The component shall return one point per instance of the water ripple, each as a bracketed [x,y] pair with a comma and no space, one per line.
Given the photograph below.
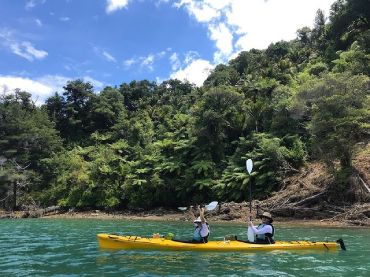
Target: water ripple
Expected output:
[64,247]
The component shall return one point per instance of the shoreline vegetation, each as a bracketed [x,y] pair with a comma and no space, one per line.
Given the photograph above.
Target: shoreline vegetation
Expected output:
[226,212]
[307,199]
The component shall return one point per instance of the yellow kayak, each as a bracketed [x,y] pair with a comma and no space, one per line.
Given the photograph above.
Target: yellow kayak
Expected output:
[134,242]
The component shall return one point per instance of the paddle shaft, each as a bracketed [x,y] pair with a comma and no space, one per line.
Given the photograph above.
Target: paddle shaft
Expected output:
[249,167]
[250,199]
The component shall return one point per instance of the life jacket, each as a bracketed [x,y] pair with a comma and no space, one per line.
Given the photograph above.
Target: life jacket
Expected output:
[198,237]
[267,237]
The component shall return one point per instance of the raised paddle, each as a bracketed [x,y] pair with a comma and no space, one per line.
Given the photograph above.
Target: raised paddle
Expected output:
[210,207]
[249,166]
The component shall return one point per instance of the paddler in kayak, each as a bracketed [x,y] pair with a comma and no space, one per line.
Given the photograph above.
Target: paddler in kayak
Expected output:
[201,227]
[264,232]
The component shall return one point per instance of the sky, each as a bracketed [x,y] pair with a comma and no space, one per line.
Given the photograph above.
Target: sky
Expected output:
[45,43]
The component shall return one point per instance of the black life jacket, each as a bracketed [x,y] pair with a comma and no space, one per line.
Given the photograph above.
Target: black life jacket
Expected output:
[267,237]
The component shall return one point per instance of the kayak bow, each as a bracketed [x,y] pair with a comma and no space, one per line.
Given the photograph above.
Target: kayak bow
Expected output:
[134,242]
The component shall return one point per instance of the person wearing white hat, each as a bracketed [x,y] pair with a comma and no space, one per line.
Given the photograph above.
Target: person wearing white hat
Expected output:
[264,232]
[201,226]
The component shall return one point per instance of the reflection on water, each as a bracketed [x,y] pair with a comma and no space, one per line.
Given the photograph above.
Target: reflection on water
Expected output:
[45,247]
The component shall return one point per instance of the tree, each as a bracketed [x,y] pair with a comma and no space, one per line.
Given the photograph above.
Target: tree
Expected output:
[56,109]
[304,35]
[78,99]
[135,91]
[106,109]
[319,31]
[27,136]
[349,21]
[222,75]
[218,120]
[355,60]
[340,116]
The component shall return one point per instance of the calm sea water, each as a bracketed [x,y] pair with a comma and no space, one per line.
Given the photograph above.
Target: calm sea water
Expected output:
[68,247]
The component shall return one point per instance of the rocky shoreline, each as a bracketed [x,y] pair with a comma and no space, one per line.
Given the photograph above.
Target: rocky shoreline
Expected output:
[226,212]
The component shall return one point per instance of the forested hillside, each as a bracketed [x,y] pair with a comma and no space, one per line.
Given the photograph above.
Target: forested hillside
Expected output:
[144,145]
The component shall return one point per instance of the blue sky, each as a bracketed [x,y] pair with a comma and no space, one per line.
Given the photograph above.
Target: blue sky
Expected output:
[44,43]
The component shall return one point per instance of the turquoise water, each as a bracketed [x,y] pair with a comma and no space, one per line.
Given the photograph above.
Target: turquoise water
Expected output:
[68,247]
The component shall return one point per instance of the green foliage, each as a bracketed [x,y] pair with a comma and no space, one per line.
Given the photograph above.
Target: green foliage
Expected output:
[218,120]
[143,144]
[340,116]
[355,60]
[222,75]
[349,21]
[273,158]
[26,136]
[88,177]
[317,68]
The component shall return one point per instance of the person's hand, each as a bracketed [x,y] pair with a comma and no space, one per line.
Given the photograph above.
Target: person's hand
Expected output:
[191,210]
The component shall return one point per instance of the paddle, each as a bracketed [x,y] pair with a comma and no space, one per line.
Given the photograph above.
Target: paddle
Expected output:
[210,207]
[249,166]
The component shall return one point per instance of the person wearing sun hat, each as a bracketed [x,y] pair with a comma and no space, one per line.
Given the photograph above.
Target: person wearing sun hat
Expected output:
[264,232]
[201,226]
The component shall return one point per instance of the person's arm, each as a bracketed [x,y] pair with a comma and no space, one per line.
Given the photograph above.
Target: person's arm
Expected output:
[191,213]
[201,214]
[265,229]
[249,220]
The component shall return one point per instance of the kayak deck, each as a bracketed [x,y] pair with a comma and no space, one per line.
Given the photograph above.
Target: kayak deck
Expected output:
[134,242]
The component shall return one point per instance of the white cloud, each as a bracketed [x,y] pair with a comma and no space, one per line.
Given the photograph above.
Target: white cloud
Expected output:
[105,54]
[192,68]
[24,49]
[113,5]
[40,91]
[147,62]
[42,87]
[196,72]
[223,37]
[128,63]
[161,54]
[53,82]
[97,84]
[259,23]
[236,25]
[33,3]
[64,18]
[159,2]
[175,62]
[38,22]
[109,57]
[190,56]
[202,11]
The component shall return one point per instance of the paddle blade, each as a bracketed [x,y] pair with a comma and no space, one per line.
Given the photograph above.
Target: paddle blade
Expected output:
[211,206]
[249,165]
[182,208]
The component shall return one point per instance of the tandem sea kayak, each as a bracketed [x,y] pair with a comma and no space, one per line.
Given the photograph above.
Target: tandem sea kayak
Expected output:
[110,241]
